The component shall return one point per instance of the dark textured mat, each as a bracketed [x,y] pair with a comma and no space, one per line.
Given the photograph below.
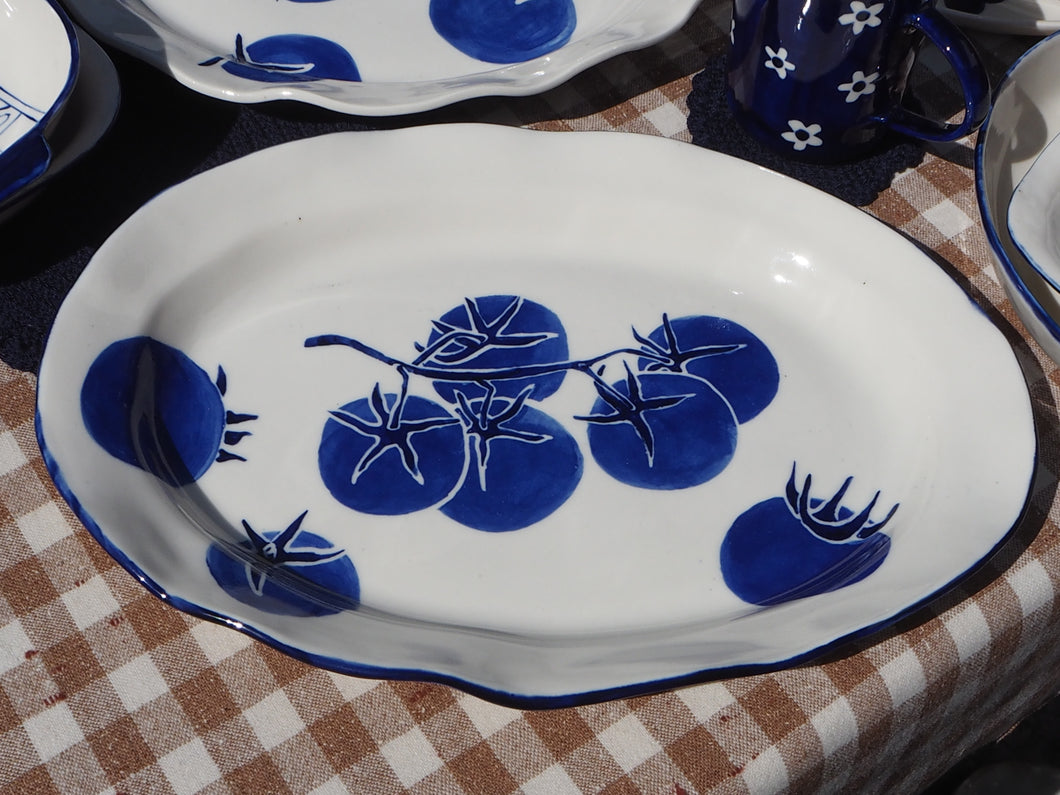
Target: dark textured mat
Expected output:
[858,182]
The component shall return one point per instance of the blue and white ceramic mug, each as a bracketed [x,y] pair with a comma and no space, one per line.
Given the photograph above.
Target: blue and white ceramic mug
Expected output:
[823,80]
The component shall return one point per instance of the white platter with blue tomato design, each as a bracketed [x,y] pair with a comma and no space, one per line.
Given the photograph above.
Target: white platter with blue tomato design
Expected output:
[381,58]
[552,417]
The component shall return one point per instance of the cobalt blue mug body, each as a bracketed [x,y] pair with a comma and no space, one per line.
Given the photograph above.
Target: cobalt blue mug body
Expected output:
[823,80]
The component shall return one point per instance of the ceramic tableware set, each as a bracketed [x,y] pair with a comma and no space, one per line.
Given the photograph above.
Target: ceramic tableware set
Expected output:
[411,455]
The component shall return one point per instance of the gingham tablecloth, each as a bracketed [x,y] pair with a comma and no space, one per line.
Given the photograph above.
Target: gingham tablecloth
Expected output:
[104,688]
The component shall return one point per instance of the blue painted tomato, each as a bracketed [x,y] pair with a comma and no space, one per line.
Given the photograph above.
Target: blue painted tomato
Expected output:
[747,377]
[287,58]
[525,465]
[791,547]
[310,579]
[661,430]
[504,31]
[149,405]
[496,334]
[391,455]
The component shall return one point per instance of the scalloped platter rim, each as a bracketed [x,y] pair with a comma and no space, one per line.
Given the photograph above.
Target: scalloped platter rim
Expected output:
[395,59]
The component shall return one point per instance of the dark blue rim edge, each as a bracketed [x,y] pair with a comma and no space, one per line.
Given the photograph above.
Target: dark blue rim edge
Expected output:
[993,238]
[502,697]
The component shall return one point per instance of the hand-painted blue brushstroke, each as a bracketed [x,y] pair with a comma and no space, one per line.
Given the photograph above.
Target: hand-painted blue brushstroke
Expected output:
[795,546]
[663,426]
[496,333]
[14,111]
[287,58]
[504,31]
[748,378]
[148,404]
[290,569]
[661,430]
[524,465]
[391,455]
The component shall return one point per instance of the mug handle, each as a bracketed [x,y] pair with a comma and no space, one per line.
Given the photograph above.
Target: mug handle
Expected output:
[975,84]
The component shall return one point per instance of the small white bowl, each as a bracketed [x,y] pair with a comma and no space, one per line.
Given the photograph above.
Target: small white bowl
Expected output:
[38,67]
[1024,119]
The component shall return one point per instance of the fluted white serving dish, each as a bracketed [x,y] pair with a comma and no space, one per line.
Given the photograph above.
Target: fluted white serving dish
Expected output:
[552,417]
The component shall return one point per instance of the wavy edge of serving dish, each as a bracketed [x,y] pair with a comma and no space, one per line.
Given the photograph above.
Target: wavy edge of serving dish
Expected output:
[979,415]
[999,171]
[28,156]
[133,27]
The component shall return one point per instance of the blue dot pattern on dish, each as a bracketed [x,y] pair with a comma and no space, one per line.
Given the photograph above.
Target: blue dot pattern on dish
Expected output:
[504,31]
[149,405]
[794,546]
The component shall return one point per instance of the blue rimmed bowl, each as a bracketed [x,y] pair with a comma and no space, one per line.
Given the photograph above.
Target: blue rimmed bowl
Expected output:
[38,66]
[1024,119]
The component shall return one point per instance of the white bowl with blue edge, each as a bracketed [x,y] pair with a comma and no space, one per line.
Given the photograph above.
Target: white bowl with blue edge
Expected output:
[1023,121]
[38,67]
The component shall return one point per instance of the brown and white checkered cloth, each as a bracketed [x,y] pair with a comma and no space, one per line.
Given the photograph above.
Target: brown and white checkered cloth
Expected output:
[106,689]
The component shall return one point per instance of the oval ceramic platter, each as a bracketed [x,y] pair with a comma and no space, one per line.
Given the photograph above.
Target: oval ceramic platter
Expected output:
[551,417]
[384,58]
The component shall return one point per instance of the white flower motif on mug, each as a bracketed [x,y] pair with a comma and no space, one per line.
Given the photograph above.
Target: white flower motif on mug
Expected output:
[862,16]
[860,84]
[802,135]
[778,61]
